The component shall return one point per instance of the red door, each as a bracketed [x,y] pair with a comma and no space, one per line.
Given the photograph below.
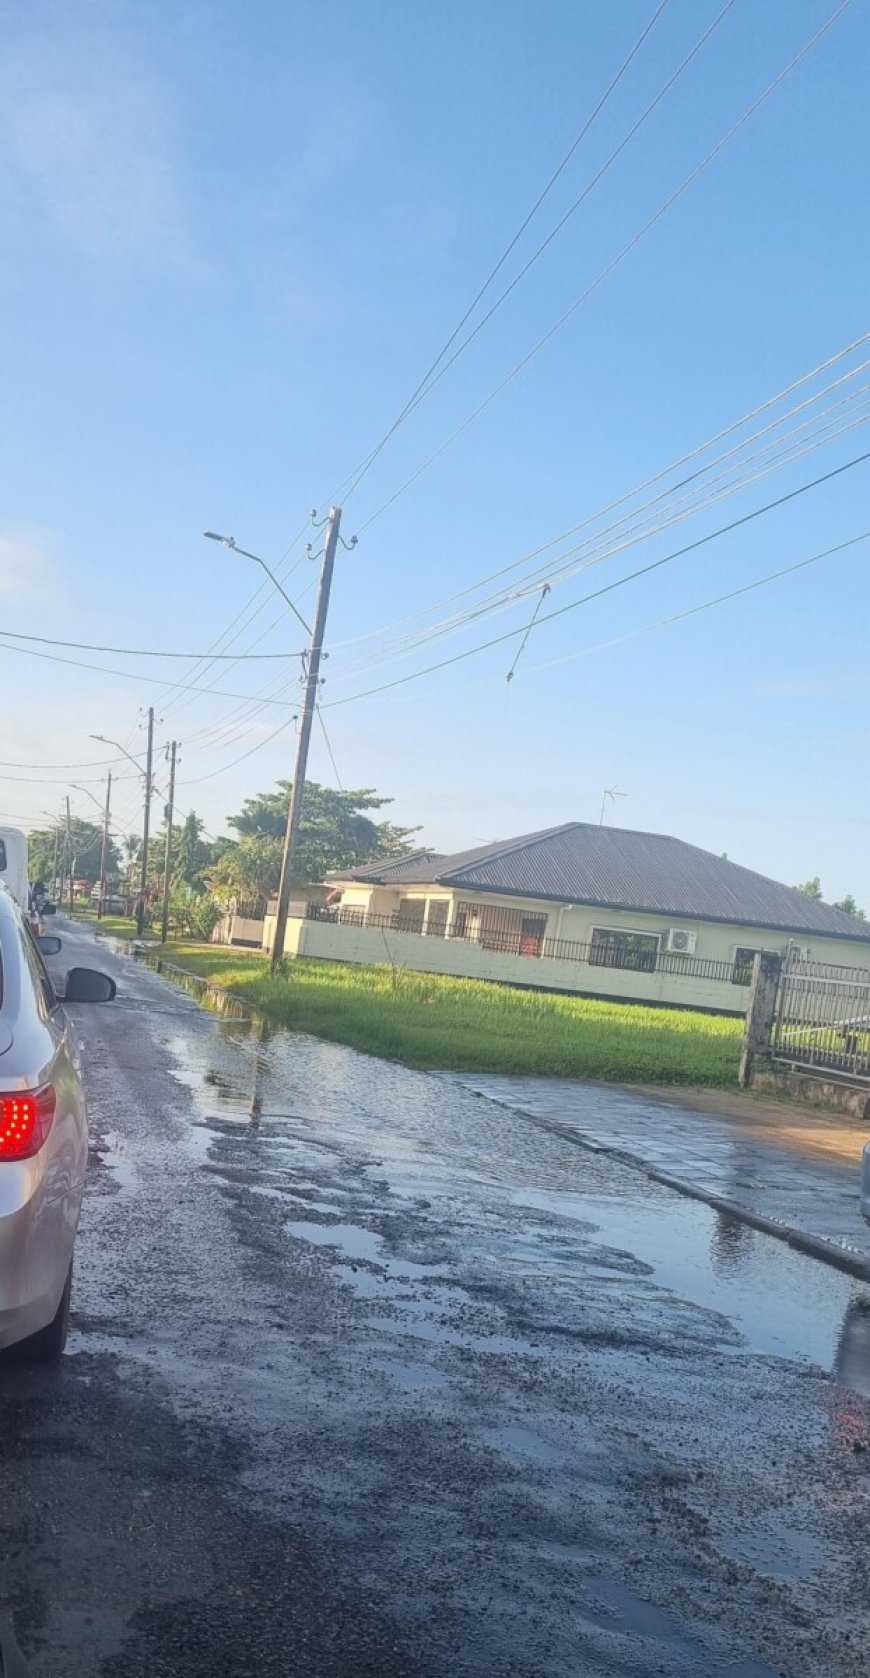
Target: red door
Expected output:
[532,934]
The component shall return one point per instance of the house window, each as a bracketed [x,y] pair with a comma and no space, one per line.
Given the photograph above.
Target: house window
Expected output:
[741,972]
[610,948]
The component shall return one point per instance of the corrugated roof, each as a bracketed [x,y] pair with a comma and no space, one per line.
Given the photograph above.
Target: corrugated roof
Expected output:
[616,868]
[393,870]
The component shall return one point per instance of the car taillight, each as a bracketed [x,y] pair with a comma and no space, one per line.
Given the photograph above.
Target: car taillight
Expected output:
[25,1121]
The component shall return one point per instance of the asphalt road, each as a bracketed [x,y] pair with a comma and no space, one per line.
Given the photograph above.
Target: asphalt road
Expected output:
[371,1376]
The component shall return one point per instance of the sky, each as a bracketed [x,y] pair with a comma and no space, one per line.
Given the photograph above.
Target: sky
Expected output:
[236,237]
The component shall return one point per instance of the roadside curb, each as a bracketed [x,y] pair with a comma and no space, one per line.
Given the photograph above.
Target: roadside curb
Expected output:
[815,1246]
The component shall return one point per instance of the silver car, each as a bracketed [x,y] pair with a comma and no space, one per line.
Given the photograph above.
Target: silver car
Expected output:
[43,1136]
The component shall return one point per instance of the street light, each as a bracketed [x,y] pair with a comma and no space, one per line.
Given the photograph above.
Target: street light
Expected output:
[230,542]
[104,739]
[146,819]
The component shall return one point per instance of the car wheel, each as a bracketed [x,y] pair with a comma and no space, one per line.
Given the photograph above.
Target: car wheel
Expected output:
[47,1345]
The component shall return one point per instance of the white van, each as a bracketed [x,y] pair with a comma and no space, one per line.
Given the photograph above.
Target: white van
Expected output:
[13,865]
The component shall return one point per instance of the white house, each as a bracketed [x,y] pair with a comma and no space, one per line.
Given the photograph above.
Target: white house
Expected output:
[595,910]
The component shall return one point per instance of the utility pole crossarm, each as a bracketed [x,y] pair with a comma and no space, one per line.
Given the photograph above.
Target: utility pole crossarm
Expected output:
[297,792]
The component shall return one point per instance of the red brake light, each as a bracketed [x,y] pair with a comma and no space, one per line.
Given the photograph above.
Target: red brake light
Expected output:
[25,1121]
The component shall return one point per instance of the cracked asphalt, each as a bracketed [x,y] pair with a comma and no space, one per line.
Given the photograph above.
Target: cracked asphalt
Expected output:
[372,1376]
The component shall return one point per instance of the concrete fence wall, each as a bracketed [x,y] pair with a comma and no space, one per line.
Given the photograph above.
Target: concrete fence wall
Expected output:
[465,959]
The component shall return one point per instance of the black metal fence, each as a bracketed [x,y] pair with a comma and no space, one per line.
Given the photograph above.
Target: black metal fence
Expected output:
[517,942]
[823,1017]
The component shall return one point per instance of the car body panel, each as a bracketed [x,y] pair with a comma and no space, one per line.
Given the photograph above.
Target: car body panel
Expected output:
[14,865]
[865,1184]
[40,1198]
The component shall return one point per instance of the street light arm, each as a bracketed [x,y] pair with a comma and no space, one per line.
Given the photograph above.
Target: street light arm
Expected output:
[230,542]
[105,741]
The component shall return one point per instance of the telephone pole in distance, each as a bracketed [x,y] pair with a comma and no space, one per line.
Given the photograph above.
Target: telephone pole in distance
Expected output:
[104,850]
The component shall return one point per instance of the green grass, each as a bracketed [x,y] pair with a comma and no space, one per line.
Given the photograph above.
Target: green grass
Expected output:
[117,926]
[464,1025]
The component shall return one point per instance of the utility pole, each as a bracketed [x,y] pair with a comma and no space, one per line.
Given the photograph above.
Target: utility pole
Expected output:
[69,855]
[146,825]
[104,849]
[54,879]
[297,792]
[167,862]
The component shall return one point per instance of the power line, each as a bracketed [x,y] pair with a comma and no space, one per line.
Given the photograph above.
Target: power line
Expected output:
[613,264]
[226,767]
[639,489]
[705,606]
[106,670]
[434,378]
[356,476]
[330,750]
[136,652]
[594,553]
[607,588]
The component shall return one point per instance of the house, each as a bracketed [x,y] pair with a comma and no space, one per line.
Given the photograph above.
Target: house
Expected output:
[594,910]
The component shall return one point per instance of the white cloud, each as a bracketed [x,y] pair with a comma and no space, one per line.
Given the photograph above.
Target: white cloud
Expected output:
[88,137]
[26,569]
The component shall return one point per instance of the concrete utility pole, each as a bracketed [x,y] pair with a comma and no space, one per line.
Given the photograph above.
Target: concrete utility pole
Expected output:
[104,848]
[69,855]
[146,828]
[167,861]
[54,879]
[297,792]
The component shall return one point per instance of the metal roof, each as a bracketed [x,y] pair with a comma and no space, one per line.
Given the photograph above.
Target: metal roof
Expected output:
[615,868]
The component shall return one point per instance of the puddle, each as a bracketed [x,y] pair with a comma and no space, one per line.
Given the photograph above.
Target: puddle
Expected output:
[521,1441]
[785,1553]
[783,1302]
[350,1239]
[111,1152]
[412,1377]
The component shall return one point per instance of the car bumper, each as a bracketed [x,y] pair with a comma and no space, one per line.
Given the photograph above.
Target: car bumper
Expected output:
[35,1249]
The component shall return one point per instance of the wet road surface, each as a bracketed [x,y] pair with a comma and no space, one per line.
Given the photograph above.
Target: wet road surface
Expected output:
[797,1169]
[371,1376]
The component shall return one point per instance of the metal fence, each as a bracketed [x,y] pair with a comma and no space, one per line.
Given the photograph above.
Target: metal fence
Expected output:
[517,942]
[822,1017]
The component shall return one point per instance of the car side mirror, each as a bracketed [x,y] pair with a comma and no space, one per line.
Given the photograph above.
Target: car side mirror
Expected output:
[86,984]
[49,946]
[49,908]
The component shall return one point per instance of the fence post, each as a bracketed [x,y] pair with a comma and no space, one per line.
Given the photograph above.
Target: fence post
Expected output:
[766,970]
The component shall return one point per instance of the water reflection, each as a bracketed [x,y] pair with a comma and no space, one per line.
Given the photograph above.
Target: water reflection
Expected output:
[852,1360]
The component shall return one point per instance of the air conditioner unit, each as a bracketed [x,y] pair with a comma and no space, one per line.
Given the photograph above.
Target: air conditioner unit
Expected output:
[679,942]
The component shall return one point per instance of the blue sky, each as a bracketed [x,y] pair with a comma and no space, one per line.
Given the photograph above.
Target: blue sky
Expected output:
[235,237]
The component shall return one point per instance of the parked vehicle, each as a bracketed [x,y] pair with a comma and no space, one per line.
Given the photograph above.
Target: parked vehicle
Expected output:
[43,1135]
[13,864]
[865,1184]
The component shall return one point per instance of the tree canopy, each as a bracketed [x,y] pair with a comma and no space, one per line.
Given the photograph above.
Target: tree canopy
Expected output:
[336,831]
[85,846]
[813,889]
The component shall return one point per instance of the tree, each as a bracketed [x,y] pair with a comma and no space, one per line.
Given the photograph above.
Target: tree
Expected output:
[850,907]
[335,832]
[82,851]
[192,853]
[812,889]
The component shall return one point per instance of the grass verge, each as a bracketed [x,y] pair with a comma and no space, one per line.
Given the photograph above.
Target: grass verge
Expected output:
[464,1025]
[117,926]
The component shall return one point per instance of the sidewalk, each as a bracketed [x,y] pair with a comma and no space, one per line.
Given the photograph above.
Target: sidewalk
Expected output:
[785,1168]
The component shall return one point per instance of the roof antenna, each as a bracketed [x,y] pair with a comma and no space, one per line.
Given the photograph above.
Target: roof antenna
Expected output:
[612,793]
